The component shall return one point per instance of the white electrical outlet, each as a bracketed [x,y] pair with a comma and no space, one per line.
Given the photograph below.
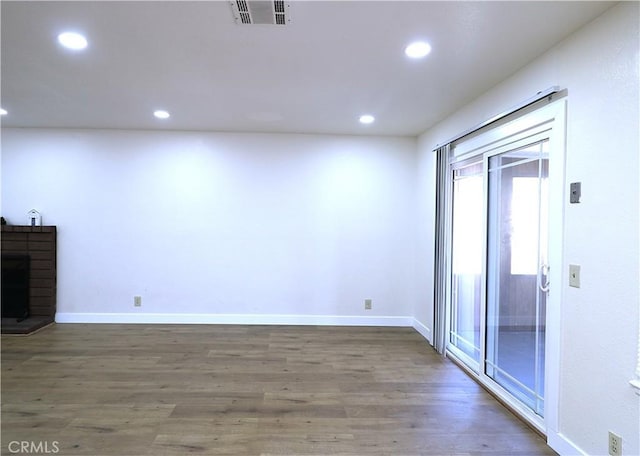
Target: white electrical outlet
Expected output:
[367,304]
[137,301]
[615,444]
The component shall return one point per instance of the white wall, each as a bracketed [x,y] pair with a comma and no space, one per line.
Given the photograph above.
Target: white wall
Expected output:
[598,65]
[214,223]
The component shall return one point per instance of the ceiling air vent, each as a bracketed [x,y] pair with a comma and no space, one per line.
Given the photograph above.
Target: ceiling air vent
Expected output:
[250,12]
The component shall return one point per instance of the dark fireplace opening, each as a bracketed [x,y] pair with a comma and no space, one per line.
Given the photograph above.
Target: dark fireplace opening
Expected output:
[15,286]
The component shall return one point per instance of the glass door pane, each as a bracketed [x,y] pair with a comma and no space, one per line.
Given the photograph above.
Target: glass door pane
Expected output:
[516,255]
[466,267]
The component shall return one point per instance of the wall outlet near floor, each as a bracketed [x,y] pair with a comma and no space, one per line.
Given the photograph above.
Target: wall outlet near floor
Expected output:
[615,444]
[367,304]
[137,301]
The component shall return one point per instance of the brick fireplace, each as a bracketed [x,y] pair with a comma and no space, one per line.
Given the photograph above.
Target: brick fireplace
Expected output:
[37,246]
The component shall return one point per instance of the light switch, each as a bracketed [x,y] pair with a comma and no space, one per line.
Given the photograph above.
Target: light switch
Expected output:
[574,275]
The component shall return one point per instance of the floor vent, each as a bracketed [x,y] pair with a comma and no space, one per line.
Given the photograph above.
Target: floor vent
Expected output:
[261,12]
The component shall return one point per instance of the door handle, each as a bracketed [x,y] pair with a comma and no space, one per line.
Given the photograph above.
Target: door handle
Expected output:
[544,275]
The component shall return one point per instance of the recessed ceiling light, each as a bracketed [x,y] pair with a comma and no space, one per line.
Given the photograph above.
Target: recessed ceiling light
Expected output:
[367,119]
[160,114]
[3,112]
[72,40]
[417,49]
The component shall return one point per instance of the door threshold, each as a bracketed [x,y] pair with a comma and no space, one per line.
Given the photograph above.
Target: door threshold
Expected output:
[474,376]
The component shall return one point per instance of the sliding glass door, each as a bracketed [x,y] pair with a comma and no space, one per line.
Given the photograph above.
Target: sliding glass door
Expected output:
[498,278]
[517,264]
[499,266]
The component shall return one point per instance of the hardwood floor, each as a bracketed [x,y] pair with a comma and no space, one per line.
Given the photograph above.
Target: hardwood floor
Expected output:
[246,390]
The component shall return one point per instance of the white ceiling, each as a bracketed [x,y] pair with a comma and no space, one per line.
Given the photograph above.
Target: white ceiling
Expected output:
[335,61]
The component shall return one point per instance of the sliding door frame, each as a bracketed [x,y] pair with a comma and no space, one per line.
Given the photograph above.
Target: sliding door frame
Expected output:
[545,120]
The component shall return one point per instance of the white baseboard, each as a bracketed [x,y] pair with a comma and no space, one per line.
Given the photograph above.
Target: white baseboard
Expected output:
[563,446]
[423,330]
[233,319]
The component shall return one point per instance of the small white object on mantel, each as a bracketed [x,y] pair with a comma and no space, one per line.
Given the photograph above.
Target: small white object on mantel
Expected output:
[35,219]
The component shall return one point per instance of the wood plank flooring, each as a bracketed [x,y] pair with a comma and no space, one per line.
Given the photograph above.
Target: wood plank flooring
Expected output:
[246,390]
